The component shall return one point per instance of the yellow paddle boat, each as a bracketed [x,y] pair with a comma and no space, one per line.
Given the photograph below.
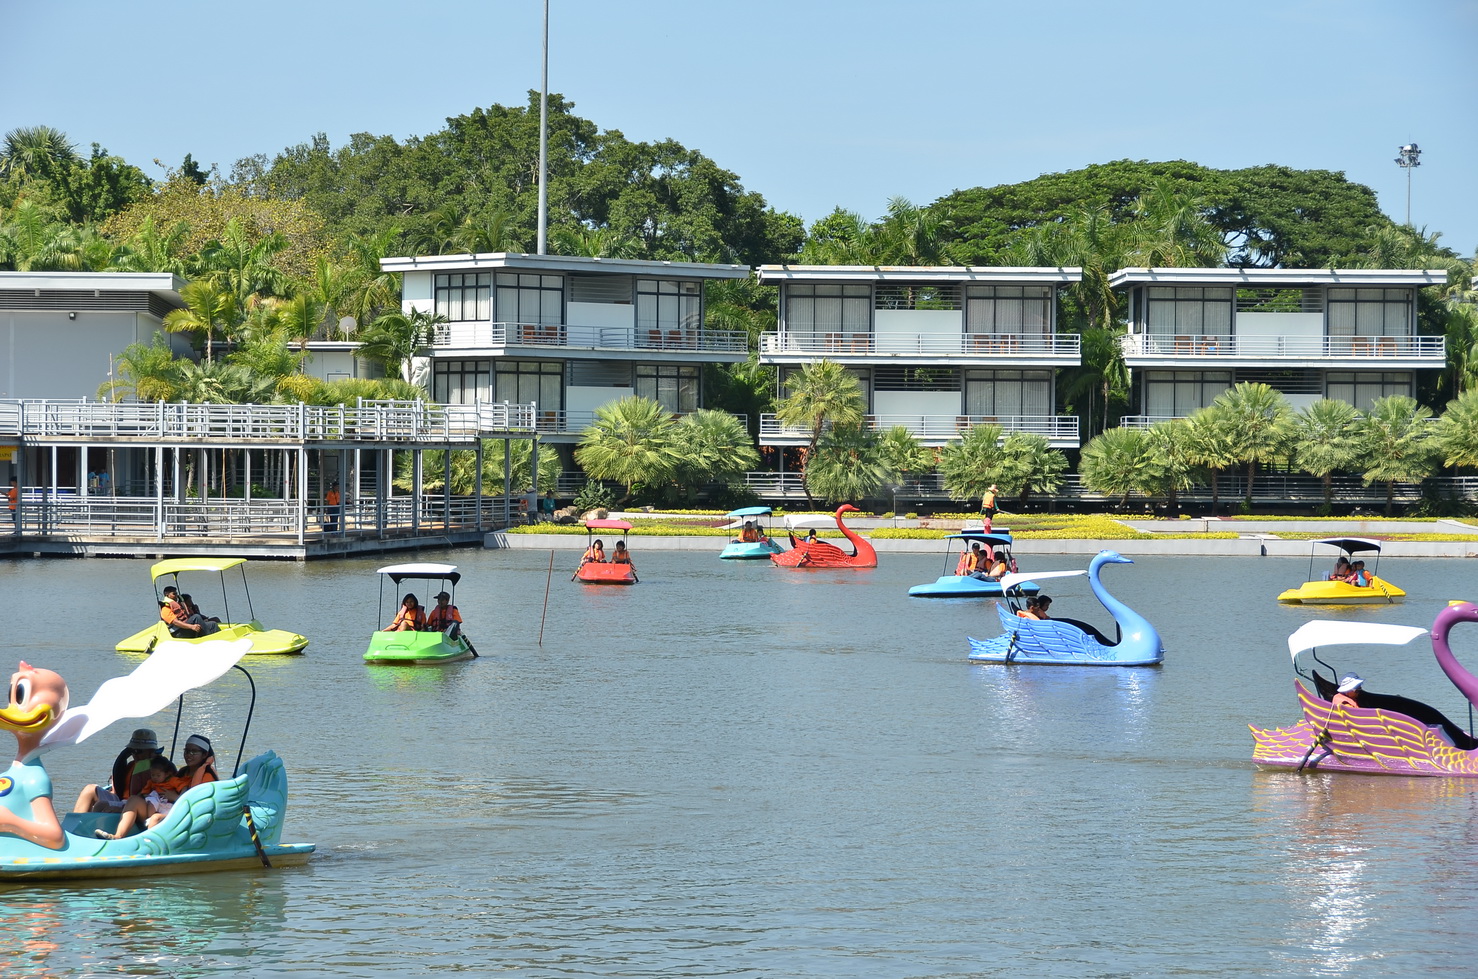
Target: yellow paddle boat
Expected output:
[1334,589]
[264,642]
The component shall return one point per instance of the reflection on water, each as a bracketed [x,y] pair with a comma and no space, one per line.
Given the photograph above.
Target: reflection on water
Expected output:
[731,769]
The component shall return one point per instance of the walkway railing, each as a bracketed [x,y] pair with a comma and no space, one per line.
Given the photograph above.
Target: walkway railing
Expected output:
[1058,428]
[1214,346]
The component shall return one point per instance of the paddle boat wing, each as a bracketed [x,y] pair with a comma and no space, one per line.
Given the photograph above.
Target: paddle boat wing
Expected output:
[1381,734]
[753,541]
[1329,591]
[605,571]
[230,824]
[959,585]
[417,647]
[813,554]
[1060,641]
[264,641]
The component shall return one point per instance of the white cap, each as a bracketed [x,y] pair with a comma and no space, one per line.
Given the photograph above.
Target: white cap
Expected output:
[1350,682]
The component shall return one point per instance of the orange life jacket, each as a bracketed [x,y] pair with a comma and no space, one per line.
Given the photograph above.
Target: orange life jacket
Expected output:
[417,617]
[438,620]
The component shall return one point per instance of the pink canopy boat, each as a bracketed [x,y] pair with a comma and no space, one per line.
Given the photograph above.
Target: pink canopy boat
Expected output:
[1384,734]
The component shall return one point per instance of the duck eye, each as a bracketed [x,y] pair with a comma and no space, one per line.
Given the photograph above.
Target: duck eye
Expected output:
[22,691]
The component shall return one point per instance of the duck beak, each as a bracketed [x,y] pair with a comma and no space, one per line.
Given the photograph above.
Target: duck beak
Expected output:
[33,705]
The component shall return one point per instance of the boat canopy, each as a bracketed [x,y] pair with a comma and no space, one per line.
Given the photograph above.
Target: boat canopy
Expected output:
[805,521]
[996,540]
[402,572]
[1010,581]
[176,565]
[620,525]
[749,511]
[1325,632]
[1351,545]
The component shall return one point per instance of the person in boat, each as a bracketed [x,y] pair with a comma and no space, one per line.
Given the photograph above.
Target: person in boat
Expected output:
[993,571]
[811,537]
[1036,608]
[1341,570]
[130,772]
[594,554]
[1348,693]
[749,535]
[411,617]
[193,609]
[1359,577]
[444,616]
[179,621]
[621,555]
[166,785]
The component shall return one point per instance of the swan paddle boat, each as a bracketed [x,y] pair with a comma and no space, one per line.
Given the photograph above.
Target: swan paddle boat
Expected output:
[958,585]
[264,642]
[412,647]
[748,522]
[1382,734]
[607,571]
[807,554]
[1069,641]
[235,823]
[1326,592]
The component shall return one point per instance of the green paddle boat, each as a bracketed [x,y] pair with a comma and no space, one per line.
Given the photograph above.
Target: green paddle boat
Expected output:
[417,646]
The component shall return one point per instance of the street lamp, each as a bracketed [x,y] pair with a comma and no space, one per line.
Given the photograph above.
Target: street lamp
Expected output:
[1408,161]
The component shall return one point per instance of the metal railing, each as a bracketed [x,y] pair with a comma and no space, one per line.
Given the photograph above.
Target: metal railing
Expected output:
[1065,346]
[493,335]
[576,422]
[1054,427]
[1211,346]
[367,420]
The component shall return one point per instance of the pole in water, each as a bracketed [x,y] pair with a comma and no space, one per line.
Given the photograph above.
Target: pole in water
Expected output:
[255,841]
[547,580]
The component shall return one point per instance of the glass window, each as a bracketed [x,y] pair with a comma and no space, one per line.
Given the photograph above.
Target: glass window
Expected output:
[463,296]
[460,382]
[1362,388]
[669,304]
[522,381]
[1003,393]
[530,298]
[1176,394]
[1008,309]
[1189,310]
[1370,312]
[826,308]
[673,386]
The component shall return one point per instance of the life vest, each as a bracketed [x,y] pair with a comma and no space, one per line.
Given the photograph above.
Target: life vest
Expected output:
[962,567]
[592,556]
[437,620]
[1024,614]
[417,617]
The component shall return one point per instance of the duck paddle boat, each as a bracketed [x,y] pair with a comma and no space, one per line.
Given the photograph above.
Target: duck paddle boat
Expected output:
[753,541]
[1070,642]
[808,553]
[1371,734]
[996,544]
[418,646]
[264,642]
[1332,591]
[600,568]
[231,824]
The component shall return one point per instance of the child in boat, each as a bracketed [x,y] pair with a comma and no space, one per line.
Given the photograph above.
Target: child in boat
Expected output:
[750,534]
[411,617]
[165,786]
[594,554]
[1359,577]
[622,555]
[1341,570]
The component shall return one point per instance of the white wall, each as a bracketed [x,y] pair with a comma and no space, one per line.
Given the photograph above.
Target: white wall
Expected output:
[1300,333]
[933,322]
[601,314]
[415,292]
[43,354]
[945,403]
[589,399]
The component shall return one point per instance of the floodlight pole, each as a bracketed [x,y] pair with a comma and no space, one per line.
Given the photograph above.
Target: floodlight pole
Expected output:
[544,143]
[1409,160]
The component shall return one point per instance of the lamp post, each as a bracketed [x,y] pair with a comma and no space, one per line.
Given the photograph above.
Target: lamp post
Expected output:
[1408,161]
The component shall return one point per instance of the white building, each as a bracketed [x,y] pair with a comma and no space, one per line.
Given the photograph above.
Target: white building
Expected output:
[570,334]
[1347,334]
[935,349]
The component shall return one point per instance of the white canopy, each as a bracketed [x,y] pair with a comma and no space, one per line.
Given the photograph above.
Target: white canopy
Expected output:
[802,521]
[1325,632]
[1010,581]
[427,570]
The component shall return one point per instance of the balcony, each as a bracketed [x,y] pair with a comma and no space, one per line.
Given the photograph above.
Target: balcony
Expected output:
[574,423]
[1016,348]
[1351,352]
[498,338]
[1060,430]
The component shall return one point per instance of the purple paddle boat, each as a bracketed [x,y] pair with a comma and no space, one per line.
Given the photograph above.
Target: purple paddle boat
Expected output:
[1382,734]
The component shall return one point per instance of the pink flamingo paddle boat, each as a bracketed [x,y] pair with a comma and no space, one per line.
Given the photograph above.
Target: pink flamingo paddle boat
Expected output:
[1373,734]
[806,553]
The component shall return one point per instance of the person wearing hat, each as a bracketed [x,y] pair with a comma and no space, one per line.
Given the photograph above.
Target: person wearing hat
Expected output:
[130,772]
[1348,694]
[444,617]
[165,787]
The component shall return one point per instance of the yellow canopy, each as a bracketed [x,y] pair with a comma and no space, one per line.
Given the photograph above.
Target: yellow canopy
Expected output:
[176,565]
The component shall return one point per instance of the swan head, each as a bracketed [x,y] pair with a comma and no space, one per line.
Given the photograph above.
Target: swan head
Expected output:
[1454,613]
[1111,557]
[37,699]
[846,508]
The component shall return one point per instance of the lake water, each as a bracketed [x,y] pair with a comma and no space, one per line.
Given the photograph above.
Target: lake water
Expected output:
[736,770]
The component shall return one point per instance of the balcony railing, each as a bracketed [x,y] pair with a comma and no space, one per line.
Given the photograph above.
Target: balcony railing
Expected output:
[1212,346]
[987,346]
[1056,428]
[575,422]
[495,335]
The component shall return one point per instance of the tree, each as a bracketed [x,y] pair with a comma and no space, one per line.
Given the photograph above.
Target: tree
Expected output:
[1209,445]
[143,372]
[1102,376]
[1120,462]
[1172,452]
[902,455]
[1396,441]
[822,393]
[1029,465]
[1456,432]
[632,442]
[969,467]
[906,235]
[393,339]
[209,309]
[1259,425]
[713,447]
[848,465]
[36,152]
[1327,440]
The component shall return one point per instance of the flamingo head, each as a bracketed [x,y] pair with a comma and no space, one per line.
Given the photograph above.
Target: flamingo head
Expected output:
[36,701]
[846,508]
[1454,613]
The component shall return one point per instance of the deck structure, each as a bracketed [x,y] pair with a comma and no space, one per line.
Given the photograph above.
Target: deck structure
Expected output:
[250,480]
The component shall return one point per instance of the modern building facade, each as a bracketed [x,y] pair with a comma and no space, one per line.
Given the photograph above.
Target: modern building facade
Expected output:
[936,350]
[569,334]
[1347,334]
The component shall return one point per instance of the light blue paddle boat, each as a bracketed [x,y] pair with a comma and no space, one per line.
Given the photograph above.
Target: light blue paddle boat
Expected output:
[968,586]
[761,543]
[1069,641]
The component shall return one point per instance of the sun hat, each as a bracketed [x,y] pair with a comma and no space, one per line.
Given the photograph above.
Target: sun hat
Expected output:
[1350,682]
[143,740]
[199,741]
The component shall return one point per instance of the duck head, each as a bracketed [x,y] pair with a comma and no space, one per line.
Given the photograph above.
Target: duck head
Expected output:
[37,700]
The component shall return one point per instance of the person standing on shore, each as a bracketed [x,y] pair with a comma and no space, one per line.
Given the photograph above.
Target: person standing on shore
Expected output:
[988,507]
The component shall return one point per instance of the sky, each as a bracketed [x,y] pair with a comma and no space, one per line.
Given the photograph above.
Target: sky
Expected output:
[814,104]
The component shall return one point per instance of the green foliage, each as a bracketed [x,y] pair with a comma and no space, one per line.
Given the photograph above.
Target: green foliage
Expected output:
[1396,440]
[1326,440]
[712,447]
[594,496]
[633,441]
[1456,432]
[822,393]
[1257,425]
[1029,465]
[970,466]
[902,455]
[848,465]
[1118,462]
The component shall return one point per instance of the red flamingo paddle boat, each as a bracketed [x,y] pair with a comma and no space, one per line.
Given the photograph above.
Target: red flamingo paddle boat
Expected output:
[810,553]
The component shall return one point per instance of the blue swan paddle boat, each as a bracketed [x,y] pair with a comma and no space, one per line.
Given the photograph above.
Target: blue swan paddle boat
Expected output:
[1068,641]
[968,586]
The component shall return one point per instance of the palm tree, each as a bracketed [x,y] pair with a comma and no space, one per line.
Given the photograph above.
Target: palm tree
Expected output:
[1171,446]
[1456,433]
[243,265]
[970,466]
[1030,465]
[1327,439]
[632,442]
[152,250]
[372,290]
[588,242]
[903,456]
[1396,439]
[848,465]
[1209,443]
[714,447]
[144,373]
[1462,348]
[1259,425]
[1171,230]
[1118,462]
[208,309]
[823,393]
[36,151]
[393,339]
[1103,373]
